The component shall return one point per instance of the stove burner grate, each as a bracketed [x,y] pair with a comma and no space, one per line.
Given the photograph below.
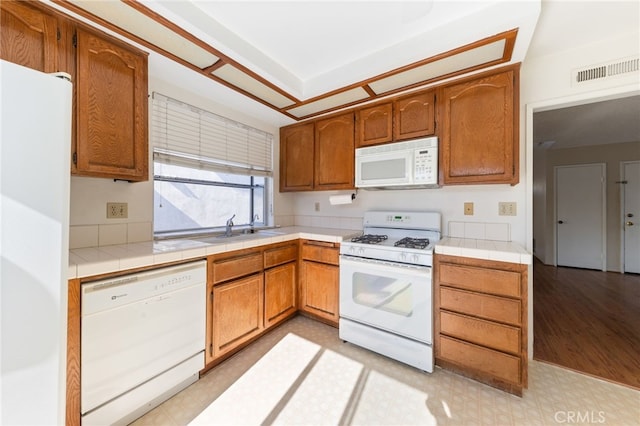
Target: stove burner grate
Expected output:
[369,239]
[416,243]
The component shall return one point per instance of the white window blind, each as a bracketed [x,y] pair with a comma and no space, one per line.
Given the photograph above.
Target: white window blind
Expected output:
[189,136]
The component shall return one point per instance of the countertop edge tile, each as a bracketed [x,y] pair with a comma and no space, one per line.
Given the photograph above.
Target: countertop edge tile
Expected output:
[503,251]
[86,262]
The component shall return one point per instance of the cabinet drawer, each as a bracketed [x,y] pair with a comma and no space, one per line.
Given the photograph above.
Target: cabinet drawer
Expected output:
[235,267]
[481,305]
[280,255]
[497,364]
[482,332]
[322,254]
[494,281]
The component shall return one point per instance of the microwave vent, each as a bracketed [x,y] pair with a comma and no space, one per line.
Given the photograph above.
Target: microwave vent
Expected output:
[607,70]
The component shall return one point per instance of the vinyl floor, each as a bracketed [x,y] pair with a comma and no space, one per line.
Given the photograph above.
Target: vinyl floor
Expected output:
[302,373]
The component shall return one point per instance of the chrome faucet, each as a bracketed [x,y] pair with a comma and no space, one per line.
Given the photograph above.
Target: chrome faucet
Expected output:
[227,231]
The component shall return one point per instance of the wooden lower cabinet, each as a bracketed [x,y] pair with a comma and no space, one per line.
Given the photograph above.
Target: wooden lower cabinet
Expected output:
[319,280]
[237,313]
[279,293]
[248,292]
[480,320]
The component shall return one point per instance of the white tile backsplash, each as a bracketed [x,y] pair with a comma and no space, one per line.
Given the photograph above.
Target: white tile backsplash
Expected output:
[139,232]
[497,232]
[474,230]
[83,236]
[112,234]
[335,222]
[479,230]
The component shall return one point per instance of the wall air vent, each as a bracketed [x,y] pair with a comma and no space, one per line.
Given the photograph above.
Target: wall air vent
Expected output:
[619,67]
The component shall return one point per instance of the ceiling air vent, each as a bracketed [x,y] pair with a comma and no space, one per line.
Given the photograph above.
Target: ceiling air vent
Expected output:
[606,70]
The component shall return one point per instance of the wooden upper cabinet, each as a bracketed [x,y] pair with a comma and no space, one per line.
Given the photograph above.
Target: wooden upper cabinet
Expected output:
[28,36]
[334,152]
[296,157]
[111,103]
[414,116]
[374,125]
[479,133]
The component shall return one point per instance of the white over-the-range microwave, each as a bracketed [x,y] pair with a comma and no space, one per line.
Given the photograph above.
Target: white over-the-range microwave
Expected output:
[398,165]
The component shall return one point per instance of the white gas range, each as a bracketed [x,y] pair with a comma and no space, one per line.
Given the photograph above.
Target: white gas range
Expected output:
[386,286]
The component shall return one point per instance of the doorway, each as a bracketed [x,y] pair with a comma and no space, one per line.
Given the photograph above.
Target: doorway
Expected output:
[631,216]
[590,310]
[581,216]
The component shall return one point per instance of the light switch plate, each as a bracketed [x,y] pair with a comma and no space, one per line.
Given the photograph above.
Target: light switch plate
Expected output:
[507,209]
[117,210]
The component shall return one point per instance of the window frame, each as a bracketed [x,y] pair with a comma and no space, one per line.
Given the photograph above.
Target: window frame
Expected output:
[252,187]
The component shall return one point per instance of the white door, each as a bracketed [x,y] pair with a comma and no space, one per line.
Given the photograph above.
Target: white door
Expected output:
[631,211]
[580,216]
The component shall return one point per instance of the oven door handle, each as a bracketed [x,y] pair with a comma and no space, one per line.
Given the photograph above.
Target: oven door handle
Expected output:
[382,265]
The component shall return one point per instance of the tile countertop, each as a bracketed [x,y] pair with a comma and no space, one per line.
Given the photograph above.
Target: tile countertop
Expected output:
[503,251]
[85,262]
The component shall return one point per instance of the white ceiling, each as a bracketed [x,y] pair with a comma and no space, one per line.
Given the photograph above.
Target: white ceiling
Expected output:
[599,123]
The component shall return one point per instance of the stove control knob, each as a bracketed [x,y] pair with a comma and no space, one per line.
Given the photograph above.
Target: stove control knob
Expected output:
[415,258]
[361,250]
[352,250]
[403,257]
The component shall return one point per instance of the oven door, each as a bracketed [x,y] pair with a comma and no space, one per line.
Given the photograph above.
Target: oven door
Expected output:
[389,296]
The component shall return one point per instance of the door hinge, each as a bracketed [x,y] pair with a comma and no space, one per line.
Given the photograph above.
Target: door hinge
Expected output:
[211,296]
[75,40]
[58,35]
[75,158]
[211,349]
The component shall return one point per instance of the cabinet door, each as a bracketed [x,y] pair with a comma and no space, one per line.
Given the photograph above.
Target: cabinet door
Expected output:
[334,153]
[374,125]
[319,286]
[479,137]
[111,109]
[296,158]
[236,313]
[414,116]
[28,36]
[279,293]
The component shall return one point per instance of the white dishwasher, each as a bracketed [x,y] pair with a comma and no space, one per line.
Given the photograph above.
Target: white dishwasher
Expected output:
[142,341]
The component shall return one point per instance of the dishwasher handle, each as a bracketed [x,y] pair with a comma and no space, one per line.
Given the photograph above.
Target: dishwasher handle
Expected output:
[111,293]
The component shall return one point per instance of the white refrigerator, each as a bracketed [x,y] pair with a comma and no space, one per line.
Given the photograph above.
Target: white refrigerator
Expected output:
[34,244]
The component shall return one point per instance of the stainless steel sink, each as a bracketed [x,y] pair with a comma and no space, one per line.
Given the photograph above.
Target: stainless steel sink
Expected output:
[240,234]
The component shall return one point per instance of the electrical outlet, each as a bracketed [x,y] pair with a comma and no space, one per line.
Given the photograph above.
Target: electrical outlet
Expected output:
[468,209]
[117,210]
[317,207]
[507,209]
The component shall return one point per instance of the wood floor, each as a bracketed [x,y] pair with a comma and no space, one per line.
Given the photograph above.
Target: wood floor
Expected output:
[588,321]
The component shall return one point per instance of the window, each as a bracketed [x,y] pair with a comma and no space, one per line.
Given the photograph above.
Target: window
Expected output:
[207,169]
